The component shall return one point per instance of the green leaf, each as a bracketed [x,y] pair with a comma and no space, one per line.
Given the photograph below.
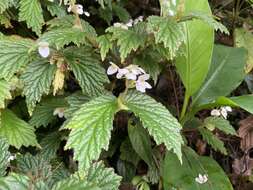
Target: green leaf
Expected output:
[64,36]
[37,81]
[157,119]
[128,40]
[103,177]
[4,92]
[85,65]
[30,11]
[193,65]
[209,19]
[104,44]
[37,167]
[75,101]
[168,32]
[91,129]
[44,112]
[226,62]
[126,149]
[120,12]
[141,143]
[13,56]
[5,154]
[16,131]
[182,176]
[221,124]
[244,38]
[5,4]
[74,184]
[50,144]
[14,181]
[244,102]
[212,140]
[56,10]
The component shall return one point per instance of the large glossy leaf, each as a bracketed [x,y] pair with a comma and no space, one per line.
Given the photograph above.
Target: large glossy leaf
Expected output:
[156,119]
[225,74]
[193,65]
[183,176]
[16,131]
[91,129]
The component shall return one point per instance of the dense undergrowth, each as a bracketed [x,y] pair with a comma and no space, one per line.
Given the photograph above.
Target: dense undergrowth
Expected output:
[126,94]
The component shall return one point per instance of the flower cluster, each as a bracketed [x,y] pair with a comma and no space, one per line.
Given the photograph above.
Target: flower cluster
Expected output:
[129,24]
[77,8]
[223,111]
[201,179]
[131,72]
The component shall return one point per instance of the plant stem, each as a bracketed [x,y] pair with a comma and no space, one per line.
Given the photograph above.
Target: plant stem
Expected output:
[185,105]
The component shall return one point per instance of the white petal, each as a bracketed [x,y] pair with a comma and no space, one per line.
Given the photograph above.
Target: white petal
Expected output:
[130,23]
[224,113]
[44,51]
[131,76]
[69,9]
[215,112]
[147,85]
[140,86]
[228,108]
[86,13]
[112,69]
[79,9]
[121,73]
[144,77]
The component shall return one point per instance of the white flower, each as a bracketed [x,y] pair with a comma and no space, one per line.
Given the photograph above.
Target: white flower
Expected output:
[43,49]
[120,25]
[138,19]
[79,9]
[134,70]
[223,111]
[12,157]
[215,112]
[141,84]
[121,73]
[86,13]
[201,179]
[59,112]
[112,69]
[115,69]
[130,23]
